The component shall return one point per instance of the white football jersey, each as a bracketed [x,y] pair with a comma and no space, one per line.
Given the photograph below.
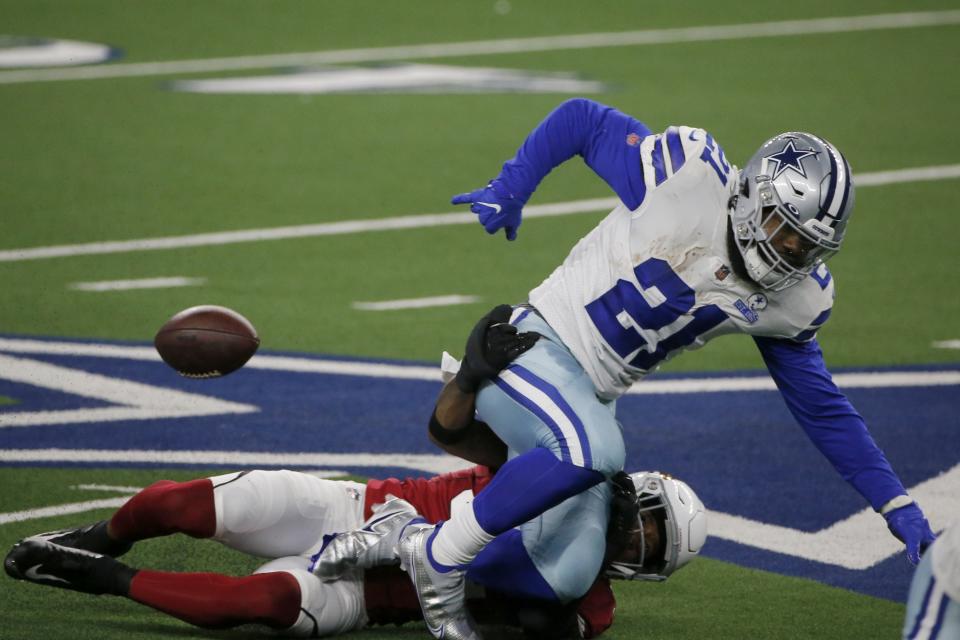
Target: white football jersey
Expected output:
[646,284]
[945,562]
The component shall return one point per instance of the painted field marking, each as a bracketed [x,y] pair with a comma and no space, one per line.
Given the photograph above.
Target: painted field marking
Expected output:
[132,400]
[718,384]
[497,47]
[415,303]
[858,542]
[397,78]
[431,463]
[143,283]
[415,221]
[62,509]
[947,344]
[105,487]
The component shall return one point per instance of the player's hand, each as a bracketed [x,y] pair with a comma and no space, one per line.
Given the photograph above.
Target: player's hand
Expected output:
[492,345]
[496,208]
[910,526]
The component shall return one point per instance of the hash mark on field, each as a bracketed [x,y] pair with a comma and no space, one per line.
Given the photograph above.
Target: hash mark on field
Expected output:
[947,344]
[143,283]
[105,487]
[416,221]
[498,47]
[415,303]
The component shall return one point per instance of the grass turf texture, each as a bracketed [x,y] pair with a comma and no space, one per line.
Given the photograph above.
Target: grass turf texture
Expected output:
[125,158]
[708,599]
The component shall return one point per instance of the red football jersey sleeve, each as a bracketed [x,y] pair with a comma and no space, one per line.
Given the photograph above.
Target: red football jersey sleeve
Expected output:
[596,609]
[430,496]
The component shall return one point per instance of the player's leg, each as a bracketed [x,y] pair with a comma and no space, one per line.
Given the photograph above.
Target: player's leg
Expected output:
[283,513]
[543,406]
[163,508]
[266,513]
[556,556]
[931,613]
[204,599]
[325,608]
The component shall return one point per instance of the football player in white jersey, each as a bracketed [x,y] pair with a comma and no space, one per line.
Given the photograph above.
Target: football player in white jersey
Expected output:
[697,249]
[933,609]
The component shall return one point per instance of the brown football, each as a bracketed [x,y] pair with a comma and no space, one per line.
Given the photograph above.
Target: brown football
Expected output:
[206,341]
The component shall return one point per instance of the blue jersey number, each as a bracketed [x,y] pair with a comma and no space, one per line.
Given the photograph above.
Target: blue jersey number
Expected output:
[620,313]
[713,155]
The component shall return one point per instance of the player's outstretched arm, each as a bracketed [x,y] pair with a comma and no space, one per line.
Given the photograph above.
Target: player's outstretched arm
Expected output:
[840,433]
[607,139]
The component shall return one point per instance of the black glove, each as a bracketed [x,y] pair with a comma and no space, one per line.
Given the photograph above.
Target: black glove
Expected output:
[623,515]
[493,344]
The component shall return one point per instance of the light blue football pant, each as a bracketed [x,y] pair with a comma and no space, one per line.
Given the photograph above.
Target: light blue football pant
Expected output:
[546,399]
[931,613]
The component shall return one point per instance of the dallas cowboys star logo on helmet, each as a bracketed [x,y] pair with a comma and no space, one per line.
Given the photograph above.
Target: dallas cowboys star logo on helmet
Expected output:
[789,158]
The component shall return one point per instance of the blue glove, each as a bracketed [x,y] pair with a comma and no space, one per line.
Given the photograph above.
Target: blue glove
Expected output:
[910,527]
[496,208]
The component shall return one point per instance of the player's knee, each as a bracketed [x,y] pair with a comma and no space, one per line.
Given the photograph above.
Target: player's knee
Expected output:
[326,608]
[251,502]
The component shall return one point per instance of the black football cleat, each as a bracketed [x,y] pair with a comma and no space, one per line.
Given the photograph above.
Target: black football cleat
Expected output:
[90,537]
[53,565]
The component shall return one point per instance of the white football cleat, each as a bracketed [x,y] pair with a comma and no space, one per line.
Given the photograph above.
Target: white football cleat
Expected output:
[441,593]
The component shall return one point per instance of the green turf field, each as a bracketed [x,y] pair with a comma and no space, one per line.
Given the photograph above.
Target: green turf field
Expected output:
[124,158]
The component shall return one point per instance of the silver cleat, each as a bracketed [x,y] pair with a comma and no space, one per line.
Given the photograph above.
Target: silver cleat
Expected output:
[372,545]
[441,595]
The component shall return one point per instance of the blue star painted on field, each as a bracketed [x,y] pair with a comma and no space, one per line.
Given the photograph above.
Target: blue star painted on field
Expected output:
[789,158]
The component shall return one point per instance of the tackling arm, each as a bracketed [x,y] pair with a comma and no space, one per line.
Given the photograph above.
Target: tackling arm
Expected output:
[454,429]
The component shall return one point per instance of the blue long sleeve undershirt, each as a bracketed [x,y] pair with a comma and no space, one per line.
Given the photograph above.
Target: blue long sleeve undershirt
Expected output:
[828,418]
[580,127]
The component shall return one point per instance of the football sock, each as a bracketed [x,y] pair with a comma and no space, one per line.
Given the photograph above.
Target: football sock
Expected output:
[216,601]
[458,541]
[522,489]
[167,507]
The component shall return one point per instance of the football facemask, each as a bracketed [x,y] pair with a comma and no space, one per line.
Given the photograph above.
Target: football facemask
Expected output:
[795,198]
[682,523]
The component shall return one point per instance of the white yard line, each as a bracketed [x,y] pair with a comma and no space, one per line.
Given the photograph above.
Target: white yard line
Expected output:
[415,303]
[417,461]
[415,221]
[497,47]
[655,386]
[143,283]
[62,509]
[856,543]
[105,487]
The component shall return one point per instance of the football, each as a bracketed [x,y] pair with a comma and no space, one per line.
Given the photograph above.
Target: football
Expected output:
[206,341]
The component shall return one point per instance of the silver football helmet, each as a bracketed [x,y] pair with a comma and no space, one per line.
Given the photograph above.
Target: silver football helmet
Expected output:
[796,185]
[682,523]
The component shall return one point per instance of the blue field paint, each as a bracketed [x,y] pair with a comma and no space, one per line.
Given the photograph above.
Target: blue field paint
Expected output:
[742,451]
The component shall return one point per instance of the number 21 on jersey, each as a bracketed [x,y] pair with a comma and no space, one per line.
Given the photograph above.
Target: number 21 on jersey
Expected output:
[630,319]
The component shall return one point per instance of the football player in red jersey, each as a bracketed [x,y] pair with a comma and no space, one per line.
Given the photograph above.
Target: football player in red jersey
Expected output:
[293,517]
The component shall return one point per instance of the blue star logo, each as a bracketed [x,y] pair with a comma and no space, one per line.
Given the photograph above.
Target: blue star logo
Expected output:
[789,158]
